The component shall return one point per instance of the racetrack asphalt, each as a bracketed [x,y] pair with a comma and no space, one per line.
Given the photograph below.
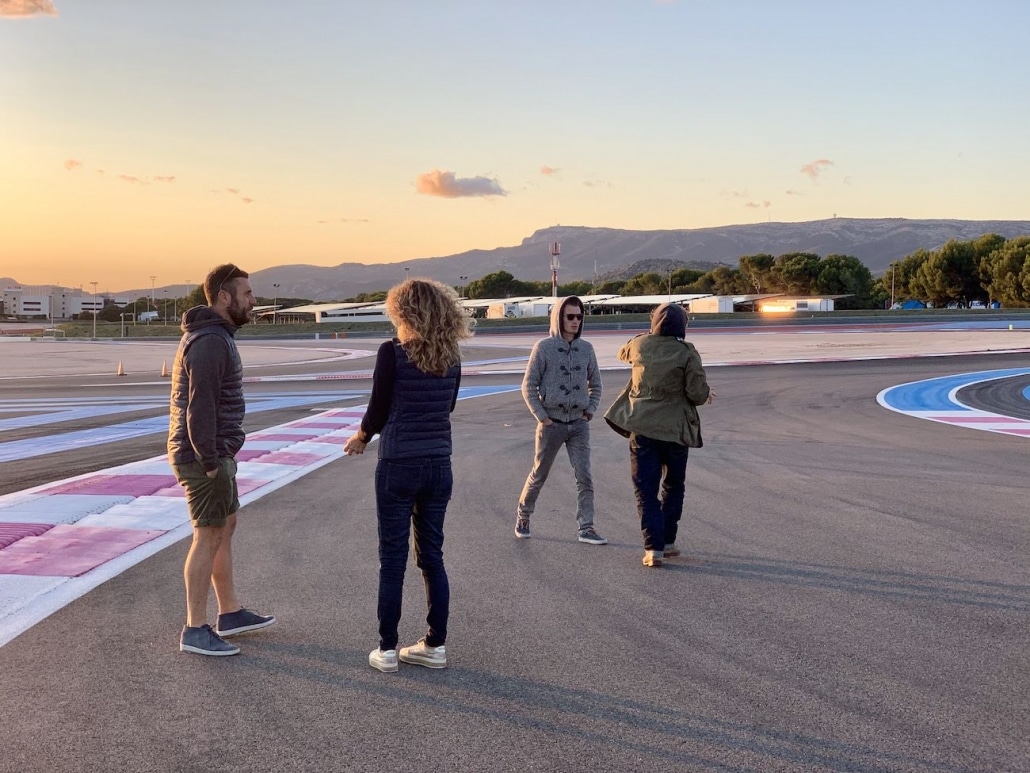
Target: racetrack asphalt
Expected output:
[854,596]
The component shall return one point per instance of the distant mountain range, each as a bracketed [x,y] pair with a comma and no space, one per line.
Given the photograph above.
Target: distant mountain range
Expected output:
[592,253]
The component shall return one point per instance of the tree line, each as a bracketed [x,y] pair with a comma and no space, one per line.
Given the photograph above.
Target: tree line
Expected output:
[989,268]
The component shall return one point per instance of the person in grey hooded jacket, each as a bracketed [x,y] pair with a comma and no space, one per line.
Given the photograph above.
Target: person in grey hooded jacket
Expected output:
[205,432]
[562,388]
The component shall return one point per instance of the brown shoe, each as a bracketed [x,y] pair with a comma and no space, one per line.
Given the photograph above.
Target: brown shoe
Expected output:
[653,558]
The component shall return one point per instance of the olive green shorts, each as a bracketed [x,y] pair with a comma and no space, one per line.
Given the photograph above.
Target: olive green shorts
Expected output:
[210,500]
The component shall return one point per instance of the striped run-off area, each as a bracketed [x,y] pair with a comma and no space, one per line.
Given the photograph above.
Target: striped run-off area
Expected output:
[59,540]
[937,399]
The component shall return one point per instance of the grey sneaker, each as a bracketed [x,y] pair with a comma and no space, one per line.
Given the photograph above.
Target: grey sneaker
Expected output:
[522,528]
[671,551]
[421,655]
[653,558]
[384,660]
[204,641]
[592,537]
[241,621]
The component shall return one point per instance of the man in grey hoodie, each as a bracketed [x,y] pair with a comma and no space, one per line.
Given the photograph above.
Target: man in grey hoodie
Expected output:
[562,388]
[205,431]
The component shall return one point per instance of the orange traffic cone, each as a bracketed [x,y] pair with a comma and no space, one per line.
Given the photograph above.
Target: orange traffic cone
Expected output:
[121,370]
[164,370]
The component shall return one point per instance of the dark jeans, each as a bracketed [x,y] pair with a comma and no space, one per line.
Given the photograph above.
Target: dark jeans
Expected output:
[658,464]
[412,491]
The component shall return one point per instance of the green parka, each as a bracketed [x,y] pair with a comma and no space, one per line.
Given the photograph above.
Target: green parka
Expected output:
[666,385]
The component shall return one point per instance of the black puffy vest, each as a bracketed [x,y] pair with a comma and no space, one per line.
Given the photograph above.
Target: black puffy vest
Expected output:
[419,426]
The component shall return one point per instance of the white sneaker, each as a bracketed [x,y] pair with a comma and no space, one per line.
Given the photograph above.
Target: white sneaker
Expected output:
[421,655]
[384,660]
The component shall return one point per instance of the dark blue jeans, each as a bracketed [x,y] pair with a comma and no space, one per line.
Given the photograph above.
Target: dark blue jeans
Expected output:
[412,492]
[658,464]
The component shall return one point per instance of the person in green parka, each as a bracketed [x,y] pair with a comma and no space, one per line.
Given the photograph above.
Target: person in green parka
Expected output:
[657,411]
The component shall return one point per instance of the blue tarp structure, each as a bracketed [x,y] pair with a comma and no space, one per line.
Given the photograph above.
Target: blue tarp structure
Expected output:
[912,303]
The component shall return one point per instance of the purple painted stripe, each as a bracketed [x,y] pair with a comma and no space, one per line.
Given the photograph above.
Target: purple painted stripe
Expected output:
[247,455]
[12,532]
[323,425]
[125,485]
[296,438]
[978,419]
[334,440]
[296,459]
[68,551]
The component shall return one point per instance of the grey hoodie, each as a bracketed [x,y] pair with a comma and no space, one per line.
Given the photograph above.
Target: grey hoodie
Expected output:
[205,420]
[562,381]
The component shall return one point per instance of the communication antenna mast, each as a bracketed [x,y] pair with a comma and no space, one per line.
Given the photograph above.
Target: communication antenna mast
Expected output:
[555,252]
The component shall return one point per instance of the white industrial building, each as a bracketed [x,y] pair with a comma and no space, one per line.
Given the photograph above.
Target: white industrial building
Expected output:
[540,306]
[49,302]
[790,303]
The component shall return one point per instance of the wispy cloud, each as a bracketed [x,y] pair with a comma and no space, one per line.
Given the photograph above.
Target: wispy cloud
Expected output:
[792,192]
[447,185]
[755,205]
[814,169]
[726,194]
[73,165]
[23,9]
[345,220]
[233,192]
[548,171]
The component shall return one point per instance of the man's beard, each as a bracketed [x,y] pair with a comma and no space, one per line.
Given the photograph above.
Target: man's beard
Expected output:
[237,314]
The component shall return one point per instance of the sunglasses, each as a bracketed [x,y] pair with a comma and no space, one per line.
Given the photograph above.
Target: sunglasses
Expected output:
[234,273]
[571,317]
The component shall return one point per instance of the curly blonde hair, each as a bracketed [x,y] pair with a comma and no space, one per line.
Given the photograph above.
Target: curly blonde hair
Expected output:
[430,322]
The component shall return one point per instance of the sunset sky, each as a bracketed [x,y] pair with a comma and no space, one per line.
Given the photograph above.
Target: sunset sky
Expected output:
[161,137]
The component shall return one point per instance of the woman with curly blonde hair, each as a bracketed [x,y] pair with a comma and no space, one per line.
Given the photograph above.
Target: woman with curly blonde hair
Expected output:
[414,389]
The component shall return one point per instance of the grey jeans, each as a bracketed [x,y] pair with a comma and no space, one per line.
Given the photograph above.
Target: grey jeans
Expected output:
[549,440]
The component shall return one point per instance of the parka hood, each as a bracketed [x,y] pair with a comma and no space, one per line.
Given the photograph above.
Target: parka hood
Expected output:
[204,316]
[669,319]
[559,309]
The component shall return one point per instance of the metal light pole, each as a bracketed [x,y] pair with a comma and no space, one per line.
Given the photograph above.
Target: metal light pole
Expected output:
[94,310]
[555,252]
[275,299]
[406,270]
[461,289]
[166,306]
[893,271]
[152,278]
